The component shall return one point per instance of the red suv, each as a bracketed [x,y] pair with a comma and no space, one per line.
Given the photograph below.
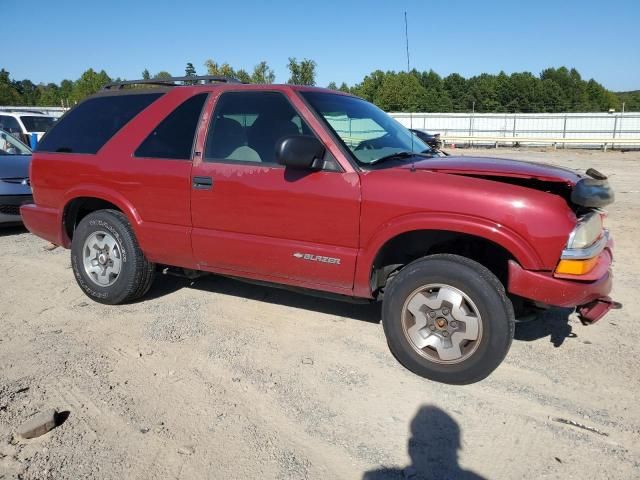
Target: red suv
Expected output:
[322,191]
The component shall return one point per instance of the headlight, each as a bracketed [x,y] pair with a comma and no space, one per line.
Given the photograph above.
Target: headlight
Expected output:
[585,244]
[587,231]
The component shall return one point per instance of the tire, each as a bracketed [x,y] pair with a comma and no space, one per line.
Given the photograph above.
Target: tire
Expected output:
[125,275]
[475,304]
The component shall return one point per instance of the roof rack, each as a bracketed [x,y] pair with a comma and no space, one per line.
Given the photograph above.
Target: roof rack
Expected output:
[171,82]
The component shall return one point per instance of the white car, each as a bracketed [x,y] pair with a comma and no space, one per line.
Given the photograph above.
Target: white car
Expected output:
[21,124]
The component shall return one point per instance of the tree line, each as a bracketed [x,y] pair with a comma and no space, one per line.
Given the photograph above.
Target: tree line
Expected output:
[553,90]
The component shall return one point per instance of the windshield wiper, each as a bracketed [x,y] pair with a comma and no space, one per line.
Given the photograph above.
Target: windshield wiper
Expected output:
[399,155]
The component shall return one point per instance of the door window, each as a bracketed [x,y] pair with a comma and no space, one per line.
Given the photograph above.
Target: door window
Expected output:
[173,137]
[246,127]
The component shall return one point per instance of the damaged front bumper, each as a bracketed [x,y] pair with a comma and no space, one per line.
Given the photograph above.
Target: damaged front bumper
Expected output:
[590,298]
[595,310]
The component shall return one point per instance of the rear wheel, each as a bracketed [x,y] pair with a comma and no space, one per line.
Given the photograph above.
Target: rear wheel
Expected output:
[107,261]
[447,318]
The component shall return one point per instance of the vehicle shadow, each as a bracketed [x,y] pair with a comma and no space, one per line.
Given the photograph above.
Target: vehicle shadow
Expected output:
[433,448]
[12,229]
[553,323]
[167,284]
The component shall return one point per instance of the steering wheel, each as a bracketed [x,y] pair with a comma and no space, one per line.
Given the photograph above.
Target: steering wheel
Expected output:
[365,145]
[373,143]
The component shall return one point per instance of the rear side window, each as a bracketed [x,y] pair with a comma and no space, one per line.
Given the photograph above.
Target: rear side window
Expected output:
[87,127]
[173,137]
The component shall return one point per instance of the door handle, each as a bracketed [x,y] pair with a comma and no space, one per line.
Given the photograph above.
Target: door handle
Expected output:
[202,183]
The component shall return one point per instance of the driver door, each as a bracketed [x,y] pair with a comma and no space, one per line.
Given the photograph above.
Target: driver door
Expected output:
[253,217]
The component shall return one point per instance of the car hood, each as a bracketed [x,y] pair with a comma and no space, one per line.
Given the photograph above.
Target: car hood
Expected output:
[497,167]
[14,166]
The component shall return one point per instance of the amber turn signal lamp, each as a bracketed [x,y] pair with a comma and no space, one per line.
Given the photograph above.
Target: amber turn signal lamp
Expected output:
[576,267]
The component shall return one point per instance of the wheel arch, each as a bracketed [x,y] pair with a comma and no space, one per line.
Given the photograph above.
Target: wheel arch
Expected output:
[411,237]
[82,202]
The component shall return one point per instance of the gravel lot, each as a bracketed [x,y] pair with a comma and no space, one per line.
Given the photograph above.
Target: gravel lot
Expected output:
[219,379]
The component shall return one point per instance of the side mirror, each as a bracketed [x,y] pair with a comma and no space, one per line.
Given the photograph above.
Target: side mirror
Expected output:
[300,151]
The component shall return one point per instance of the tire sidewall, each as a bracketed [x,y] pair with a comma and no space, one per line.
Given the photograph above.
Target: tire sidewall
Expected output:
[489,298]
[107,222]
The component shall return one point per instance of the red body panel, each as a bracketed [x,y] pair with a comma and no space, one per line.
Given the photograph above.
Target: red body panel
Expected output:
[498,166]
[532,225]
[543,287]
[256,218]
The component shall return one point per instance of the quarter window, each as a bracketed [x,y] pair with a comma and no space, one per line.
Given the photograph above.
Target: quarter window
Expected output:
[173,137]
[91,124]
[246,126]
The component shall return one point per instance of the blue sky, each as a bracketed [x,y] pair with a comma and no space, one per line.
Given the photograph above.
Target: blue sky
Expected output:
[49,40]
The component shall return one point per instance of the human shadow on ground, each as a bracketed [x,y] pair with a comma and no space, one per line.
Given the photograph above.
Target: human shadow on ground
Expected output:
[433,449]
[553,323]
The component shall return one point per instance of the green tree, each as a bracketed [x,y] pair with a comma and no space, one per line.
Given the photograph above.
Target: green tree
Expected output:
[28,92]
[243,76]
[437,100]
[89,83]
[8,94]
[227,71]
[49,95]
[263,74]
[554,98]
[402,92]
[599,98]
[66,90]
[482,90]
[190,71]
[429,80]
[146,75]
[368,88]
[162,75]
[302,72]
[456,87]
[631,101]
[224,70]
[344,88]
[523,89]
[212,67]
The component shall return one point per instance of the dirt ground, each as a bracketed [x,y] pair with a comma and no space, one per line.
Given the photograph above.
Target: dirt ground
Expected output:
[222,380]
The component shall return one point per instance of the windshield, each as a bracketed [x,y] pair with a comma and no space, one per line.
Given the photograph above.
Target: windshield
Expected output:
[37,124]
[366,130]
[10,146]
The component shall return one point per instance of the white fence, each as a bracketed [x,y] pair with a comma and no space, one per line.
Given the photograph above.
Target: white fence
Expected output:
[496,128]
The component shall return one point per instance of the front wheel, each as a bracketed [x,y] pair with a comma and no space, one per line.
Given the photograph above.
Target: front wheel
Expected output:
[107,261]
[447,318]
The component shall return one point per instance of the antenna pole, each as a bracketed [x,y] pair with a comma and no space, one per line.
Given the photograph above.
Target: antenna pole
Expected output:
[406,36]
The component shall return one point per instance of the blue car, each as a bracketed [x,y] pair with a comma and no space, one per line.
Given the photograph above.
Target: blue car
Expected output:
[15,188]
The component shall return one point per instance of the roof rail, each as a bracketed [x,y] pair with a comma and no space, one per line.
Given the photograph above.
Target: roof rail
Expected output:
[171,81]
